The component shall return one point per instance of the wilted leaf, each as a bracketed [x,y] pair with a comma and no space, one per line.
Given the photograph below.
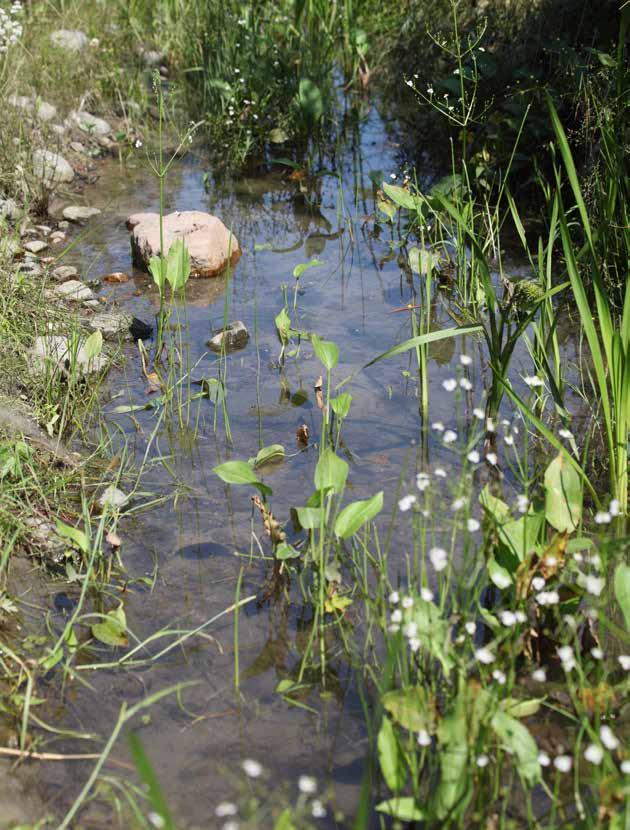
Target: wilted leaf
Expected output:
[337,602]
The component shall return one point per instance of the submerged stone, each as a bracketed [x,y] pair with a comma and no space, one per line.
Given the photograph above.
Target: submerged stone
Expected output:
[210,244]
[232,338]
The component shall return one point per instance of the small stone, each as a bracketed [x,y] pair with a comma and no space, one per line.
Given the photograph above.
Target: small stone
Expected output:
[57,236]
[44,229]
[112,324]
[113,497]
[91,303]
[72,40]
[22,102]
[235,336]
[45,111]
[78,147]
[116,277]
[90,123]
[64,272]
[63,225]
[78,213]
[36,246]
[8,209]
[52,168]
[30,268]
[54,353]
[74,290]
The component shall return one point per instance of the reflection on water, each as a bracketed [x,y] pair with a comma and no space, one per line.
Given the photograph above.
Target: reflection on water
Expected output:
[198,543]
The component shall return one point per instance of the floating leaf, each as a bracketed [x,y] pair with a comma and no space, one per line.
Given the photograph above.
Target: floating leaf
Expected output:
[563,495]
[113,629]
[355,515]
[274,452]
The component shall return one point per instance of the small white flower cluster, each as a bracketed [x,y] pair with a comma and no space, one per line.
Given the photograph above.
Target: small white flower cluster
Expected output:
[604,517]
[10,26]
[399,617]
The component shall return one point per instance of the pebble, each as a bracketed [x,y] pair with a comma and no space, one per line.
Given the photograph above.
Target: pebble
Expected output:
[65,272]
[74,290]
[113,497]
[78,213]
[36,246]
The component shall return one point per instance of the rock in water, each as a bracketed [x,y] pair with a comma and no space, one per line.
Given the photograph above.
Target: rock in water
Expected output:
[52,168]
[235,336]
[73,40]
[90,123]
[77,213]
[210,244]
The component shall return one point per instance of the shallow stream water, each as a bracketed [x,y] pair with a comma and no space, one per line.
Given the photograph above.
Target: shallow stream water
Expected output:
[195,541]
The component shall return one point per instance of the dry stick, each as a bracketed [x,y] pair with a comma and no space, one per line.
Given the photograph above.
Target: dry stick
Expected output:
[54,756]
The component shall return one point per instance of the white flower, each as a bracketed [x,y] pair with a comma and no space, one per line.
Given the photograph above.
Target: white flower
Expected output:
[522,504]
[225,808]
[465,384]
[614,508]
[563,763]
[471,627]
[440,472]
[394,597]
[406,503]
[548,598]
[422,481]
[491,458]
[317,809]
[458,504]
[489,425]
[485,656]
[439,558]
[479,414]
[407,602]
[499,676]
[539,675]
[501,580]
[424,739]
[533,381]
[465,359]
[392,176]
[594,754]
[482,761]
[508,618]
[597,653]
[410,630]
[543,759]
[625,767]
[602,518]
[473,525]
[567,658]
[521,616]
[594,585]
[624,661]
[426,594]
[449,436]
[608,738]
[438,426]
[252,768]
[565,433]
[414,644]
[156,820]
[307,784]
[473,456]
[393,628]
[429,90]
[538,583]
[409,82]
[396,616]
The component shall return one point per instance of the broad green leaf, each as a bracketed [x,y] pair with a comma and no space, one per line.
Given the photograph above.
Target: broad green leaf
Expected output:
[563,495]
[341,405]
[286,551]
[74,534]
[499,575]
[309,517]
[326,351]
[303,266]
[113,629]
[311,100]
[52,659]
[497,508]
[177,265]
[157,268]
[387,208]
[331,472]
[454,789]
[622,590]
[390,758]
[274,452]
[433,631]
[93,346]
[521,708]
[283,326]
[337,602]
[403,808]
[517,740]
[239,472]
[410,708]
[124,409]
[423,340]
[422,261]
[400,196]
[285,821]
[355,515]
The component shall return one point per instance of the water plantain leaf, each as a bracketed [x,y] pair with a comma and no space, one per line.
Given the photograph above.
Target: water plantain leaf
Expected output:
[422,261]
[309,517]
[177,265]
[400,196]
[331,472]
[274,452]
[521,708]
[341,404]
[311,100]
[403,808]
[112,630]
[326,351]
[622,590]
[517,740]
[355,515]
[410,708]
[563,495]
[423,340]
[157,267]
[283,326]
[93,346]
[390,757]
[303,266]
[286,551]
[239,472]
[454,790]
[74,534]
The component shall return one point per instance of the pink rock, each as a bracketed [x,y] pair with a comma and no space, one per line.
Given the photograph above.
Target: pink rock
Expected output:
[210,244]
